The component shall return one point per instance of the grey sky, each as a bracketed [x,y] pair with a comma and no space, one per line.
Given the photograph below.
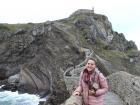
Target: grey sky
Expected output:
[123,14]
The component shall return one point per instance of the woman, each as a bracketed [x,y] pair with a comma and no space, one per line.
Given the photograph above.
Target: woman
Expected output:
[92,84]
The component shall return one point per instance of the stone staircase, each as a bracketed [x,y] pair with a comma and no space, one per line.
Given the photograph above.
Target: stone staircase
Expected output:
[71,75]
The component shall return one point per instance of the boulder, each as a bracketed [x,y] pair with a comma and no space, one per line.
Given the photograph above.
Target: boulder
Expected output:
[125,85]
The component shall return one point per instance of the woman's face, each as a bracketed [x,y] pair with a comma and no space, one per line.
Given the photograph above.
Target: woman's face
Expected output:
[90,65]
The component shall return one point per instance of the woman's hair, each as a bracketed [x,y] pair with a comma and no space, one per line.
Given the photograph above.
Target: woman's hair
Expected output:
[90,58]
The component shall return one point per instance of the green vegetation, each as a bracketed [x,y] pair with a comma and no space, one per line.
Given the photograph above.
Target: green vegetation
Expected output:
[101,43]
[13,27]
[133,53]
[4,27]
[111,55]
[79,17]
[61,84]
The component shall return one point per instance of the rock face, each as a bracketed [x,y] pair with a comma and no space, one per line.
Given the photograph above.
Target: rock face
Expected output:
[120,43]
[43,74]
[73,100]
[127,86]
[41,53]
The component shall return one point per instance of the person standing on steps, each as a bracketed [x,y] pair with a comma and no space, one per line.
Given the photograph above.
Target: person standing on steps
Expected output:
[92,84]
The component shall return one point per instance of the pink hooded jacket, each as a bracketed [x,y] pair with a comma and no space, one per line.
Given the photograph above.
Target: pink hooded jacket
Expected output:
[83,88]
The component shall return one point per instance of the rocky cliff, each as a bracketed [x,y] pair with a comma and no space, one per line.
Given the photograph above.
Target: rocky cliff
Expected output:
[42,53]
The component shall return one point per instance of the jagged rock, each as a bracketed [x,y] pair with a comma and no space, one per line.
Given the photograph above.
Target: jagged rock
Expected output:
[127,86]
[131,45]
[35,76]
[120,43]
[4,72]
[74,100]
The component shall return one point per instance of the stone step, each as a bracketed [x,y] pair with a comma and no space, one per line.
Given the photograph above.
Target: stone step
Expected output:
[111,98]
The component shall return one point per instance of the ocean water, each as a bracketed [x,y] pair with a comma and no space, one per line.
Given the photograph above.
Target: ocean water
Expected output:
[14,98]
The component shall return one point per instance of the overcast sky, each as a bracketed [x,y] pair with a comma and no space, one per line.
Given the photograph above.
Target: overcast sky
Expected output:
[123,14]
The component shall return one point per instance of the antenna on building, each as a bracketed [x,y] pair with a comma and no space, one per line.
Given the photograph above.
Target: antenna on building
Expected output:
[93,9]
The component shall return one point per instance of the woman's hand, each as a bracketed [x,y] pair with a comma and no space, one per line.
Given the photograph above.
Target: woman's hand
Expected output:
[76,93]
[92,92]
